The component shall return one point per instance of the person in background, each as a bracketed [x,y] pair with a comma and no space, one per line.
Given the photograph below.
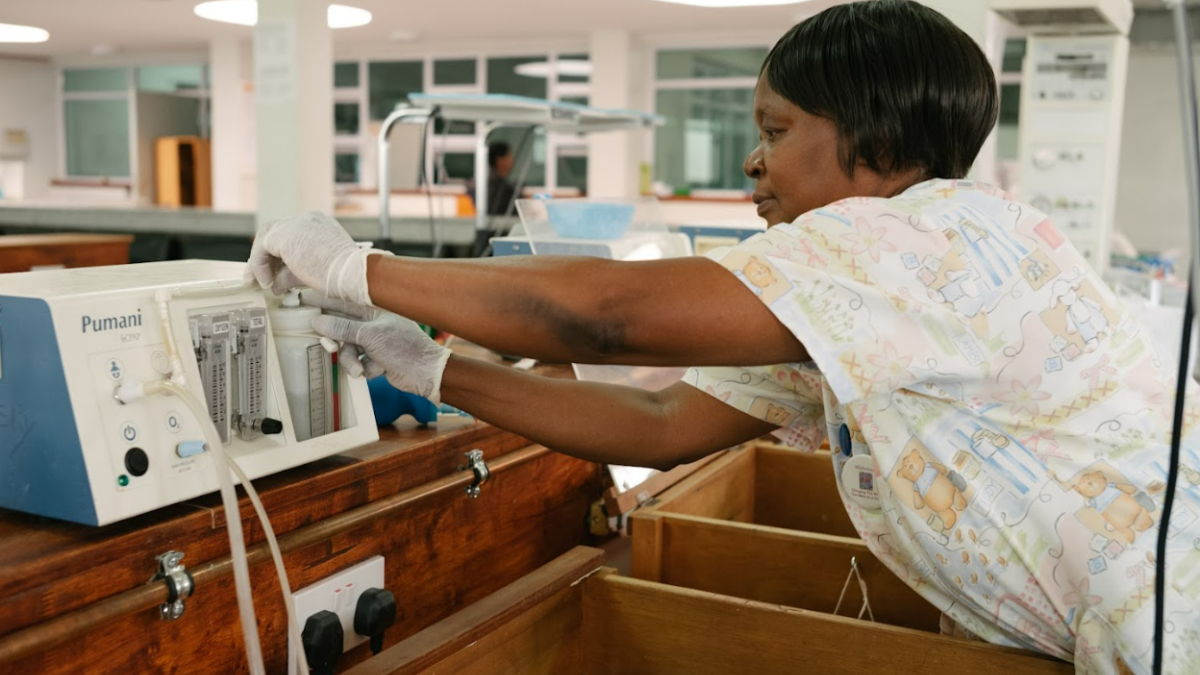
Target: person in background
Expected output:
[999,423]
[500,193]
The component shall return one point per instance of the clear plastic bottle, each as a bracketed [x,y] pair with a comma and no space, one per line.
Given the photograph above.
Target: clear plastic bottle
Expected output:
[295,345]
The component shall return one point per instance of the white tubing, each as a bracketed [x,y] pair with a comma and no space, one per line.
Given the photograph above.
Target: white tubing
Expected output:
[288,600]
[163,297]
[233,519]
[213,291]
[237,543]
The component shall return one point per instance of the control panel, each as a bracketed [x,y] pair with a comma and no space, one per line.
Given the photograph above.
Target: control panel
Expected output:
[1072,98]
[70,450]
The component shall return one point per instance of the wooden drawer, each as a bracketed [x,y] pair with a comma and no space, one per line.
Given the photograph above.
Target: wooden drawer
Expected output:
[574,616]
[764,484]
[766,523]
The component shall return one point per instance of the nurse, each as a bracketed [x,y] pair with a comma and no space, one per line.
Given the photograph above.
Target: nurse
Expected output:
[1000,454]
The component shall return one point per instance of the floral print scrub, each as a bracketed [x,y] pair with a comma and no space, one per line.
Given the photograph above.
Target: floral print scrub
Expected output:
[1005,423]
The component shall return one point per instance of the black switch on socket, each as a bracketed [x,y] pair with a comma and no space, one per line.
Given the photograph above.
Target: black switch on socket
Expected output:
[323,639]
[375,613]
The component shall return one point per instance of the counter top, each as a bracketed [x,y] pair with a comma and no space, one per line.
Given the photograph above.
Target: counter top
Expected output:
[452,231]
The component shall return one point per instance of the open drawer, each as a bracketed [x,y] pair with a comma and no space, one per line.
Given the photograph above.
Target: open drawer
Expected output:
[574,616]
[766,523]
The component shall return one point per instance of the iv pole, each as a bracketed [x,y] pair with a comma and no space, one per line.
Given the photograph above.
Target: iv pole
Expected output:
[1191,148]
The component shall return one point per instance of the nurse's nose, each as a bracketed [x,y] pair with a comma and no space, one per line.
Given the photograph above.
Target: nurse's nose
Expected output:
[753,166]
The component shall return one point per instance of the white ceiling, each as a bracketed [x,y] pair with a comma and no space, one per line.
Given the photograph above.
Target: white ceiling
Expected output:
[132,26]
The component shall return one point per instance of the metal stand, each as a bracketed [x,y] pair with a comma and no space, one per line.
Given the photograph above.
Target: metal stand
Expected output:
[494,112]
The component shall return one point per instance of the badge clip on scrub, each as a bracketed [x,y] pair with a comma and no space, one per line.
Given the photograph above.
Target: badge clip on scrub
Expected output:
[857,473]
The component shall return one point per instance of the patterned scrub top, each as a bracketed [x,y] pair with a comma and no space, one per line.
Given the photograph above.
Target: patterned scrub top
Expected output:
[1004,421]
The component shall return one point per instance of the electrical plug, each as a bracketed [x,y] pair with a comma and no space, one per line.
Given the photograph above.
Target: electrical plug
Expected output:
[376,612]
[322,640]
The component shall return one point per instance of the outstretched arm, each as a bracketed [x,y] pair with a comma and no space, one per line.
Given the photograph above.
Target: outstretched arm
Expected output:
[599,422]
[680,312]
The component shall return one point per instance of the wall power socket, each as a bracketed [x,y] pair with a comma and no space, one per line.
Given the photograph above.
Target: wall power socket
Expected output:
[339,594]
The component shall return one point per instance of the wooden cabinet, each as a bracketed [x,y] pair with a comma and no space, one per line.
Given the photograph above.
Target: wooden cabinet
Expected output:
[575,616]
[77,599]
[23,252]
[767,524]
[183,171]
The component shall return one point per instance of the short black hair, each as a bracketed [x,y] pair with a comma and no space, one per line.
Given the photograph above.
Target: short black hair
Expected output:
[496,151]
[905,86]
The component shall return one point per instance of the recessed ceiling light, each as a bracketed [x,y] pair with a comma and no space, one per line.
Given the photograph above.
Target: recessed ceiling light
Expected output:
[561,67]
[241,12]
[10,32]
[345,16]
[733,3]
[245,13]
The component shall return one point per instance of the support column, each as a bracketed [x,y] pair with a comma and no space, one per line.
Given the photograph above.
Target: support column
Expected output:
[618,81]
[293,85]
[231,76]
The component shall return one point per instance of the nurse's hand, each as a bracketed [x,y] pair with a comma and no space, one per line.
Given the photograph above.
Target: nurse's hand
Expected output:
[310,250]
[388,345]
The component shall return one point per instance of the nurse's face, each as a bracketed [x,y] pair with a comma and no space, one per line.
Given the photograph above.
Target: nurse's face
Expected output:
[796,162]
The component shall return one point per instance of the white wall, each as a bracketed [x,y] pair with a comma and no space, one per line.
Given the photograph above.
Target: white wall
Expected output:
[234,180]
[293,100]
[1151,188]
[619,64]
[27,102]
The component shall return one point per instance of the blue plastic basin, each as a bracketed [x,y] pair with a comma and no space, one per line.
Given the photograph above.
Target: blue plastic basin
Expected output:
[583,220]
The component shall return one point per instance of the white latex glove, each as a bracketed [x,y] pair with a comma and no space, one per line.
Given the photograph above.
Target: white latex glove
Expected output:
[392,346]
[310,250]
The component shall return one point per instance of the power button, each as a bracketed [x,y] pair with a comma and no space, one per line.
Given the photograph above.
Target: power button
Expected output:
[136,461]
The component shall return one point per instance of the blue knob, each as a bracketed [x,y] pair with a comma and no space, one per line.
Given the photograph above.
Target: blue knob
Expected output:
[191,448]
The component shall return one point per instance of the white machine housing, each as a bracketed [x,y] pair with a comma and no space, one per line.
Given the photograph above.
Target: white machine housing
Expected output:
[1067,16]
[1072,107]
[68,338]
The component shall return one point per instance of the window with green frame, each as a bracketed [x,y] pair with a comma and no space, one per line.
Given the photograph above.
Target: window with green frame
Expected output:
[708,134]
[390,83]
[454,72]
[95,79]
[573,172]
[345,75]
[96,137]
[503,78]
[345,119]
[170,79]
[345,167]
[685,64]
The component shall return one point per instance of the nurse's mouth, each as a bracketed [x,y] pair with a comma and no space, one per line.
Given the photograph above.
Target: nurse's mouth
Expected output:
[764,203]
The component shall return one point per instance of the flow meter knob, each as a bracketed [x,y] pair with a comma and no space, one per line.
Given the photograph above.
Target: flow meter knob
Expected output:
[270,426]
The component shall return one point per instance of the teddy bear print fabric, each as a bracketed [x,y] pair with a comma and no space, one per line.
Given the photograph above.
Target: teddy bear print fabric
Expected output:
[1015,418]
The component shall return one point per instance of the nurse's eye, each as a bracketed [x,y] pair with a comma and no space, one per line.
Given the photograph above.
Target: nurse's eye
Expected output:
[768,134]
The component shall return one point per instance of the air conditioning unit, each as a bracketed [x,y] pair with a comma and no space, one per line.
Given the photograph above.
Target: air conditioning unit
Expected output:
[1067,16]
